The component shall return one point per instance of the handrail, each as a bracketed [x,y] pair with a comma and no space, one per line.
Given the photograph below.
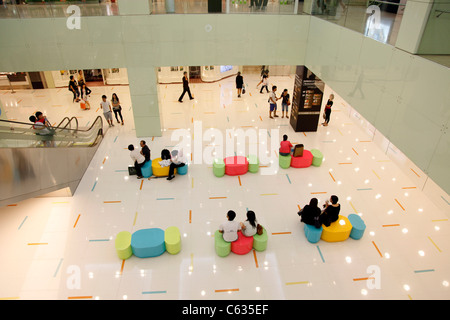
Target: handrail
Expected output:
[78,130]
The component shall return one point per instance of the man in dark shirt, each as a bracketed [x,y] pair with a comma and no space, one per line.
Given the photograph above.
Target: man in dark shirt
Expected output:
[185,88]
[331,212]
[145,151]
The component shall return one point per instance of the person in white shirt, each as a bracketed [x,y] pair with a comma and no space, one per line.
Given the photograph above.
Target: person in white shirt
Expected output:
[230,228]
[249,226]
[177,160]
[107,111]
[273,102]
[138,159]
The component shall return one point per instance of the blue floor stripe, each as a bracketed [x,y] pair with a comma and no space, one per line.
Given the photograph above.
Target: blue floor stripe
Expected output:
[153,292]
[94,186]
[57,268]
[22,223]
[320,252]
[288,178]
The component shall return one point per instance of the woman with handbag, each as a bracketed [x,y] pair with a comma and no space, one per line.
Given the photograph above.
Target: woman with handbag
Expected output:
[250,226]
[285,103]
[239,84]
[116,107]
[327,112]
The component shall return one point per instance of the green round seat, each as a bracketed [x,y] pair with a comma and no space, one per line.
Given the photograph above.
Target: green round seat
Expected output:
[222,247]
[284,161]
[253,163]
[317,157]
[260,241]
[219,168]
[172,238]
[123,245]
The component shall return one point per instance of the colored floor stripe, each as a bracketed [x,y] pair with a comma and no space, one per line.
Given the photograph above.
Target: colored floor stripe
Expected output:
[438,220]
[154,292]
[190,216]
[299,282]
[142,182]
[12,205]
[94,186]
[115,139]
[78,218]
[240,181]
[332,176]
[278,233]
[135,217]
[422,271]
[364,189]
[269,194]
[256,259]
[355,151]
[79,297]
[37,243]
[399,204]
[121,267]
[217,198]
[415,172]
[287,176]
[445,200]
[22,223]
[390,225]
[10,298]
[322,192]
[225,290]
[345,163]
[435,244]
[57,268]
[165,198]
[379,252]
[409,188]
[354,209]
[98,240]
[321,256]
[112,201]
[376,174]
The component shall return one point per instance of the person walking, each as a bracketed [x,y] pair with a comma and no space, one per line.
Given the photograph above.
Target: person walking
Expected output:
[285,103]
[239,84]
[73,87]
[107,113]
[273,103]
[117,108]
[327,112]
[185,87]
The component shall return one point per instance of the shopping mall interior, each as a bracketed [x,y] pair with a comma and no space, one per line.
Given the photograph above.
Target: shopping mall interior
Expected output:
[67,198]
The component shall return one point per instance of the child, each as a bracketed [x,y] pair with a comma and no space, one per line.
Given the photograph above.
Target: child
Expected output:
[107,112]
[85,95]
[230,228]
[285,146]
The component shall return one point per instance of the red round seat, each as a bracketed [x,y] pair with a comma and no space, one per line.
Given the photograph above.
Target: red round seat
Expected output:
[303,161]
[236,165]
[242,245]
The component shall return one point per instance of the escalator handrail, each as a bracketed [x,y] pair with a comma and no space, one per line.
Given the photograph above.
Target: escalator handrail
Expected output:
[76,130]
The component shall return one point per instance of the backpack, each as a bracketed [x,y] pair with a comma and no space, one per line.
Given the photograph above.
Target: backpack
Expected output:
[165,154]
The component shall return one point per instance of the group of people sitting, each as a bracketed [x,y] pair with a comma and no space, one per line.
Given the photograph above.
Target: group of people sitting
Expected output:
[312,215]
[174,159]
[230,228]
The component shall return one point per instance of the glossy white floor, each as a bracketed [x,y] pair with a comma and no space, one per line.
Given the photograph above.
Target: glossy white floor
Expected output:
[63,247]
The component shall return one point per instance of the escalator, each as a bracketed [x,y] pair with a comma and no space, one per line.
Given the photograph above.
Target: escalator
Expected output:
[33,164]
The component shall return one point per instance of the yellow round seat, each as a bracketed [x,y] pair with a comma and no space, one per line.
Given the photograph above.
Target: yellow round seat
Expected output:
[159,171]
[337,231]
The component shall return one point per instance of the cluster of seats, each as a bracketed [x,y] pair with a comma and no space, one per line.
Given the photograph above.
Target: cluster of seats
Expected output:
[153,168]
[146,243]
[242,245]
[352,226]
[313,157]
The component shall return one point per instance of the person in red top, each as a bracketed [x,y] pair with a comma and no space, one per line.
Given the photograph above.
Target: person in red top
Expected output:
[285,146]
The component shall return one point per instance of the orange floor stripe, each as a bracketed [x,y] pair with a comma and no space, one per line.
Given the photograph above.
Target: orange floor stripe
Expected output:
[355,151]
[190,216]
[240,181]
[217,197]
[331,176]
[142,182]
[121,268]
[225,290]
[77,221]
[278,233]
[112,201]
[399,204]
[390,225]
[256,259]
[377,249]
[415,172]
[80,297]
[318,192]
[37,243]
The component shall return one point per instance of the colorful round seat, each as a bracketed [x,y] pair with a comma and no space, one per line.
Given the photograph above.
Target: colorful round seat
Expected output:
[182,170]
[219,168]
[317,157]
[123,245]
[284,161]
[358,226]
[312,233]
[147,243]
[303,161]
[235,166]
[242,245]
[337,231]
[222,247]
[253,163]
[172,239]
[146,169]
[260,241]
[159,171]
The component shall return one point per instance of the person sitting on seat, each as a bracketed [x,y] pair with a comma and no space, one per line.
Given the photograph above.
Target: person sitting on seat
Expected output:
[177,161]
[138,159]
[310,213]
[145,150]
[285,146]
[249,226]
[331,211]
[230,228]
